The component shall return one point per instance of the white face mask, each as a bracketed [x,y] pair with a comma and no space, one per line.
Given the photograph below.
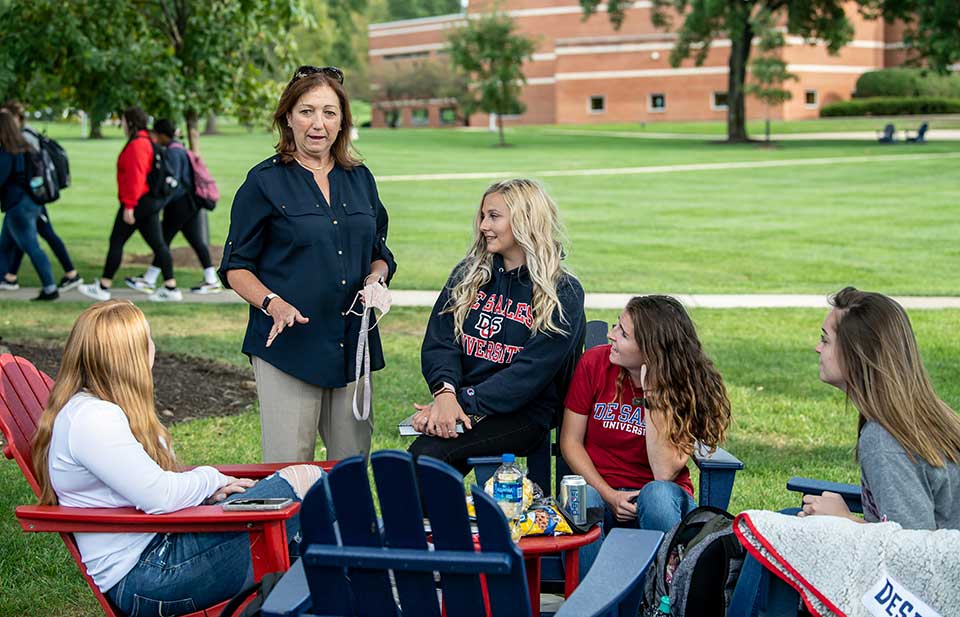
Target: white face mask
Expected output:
[375,296]
[378,297]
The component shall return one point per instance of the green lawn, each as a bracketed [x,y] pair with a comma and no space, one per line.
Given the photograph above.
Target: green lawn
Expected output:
[755,127]
[882,224]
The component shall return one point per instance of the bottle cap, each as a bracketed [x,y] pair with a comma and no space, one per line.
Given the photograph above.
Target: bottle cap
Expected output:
[508,458]
[664,605]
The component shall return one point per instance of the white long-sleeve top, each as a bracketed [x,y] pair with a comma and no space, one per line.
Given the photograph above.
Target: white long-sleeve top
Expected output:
[95,462]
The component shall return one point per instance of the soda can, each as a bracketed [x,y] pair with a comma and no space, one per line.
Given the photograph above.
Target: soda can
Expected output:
[573,498]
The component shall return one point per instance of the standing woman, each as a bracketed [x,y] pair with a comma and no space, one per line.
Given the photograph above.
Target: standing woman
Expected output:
[908,439]
[307,233]
[138,212]
[20,211]
[634,410]
[504,335]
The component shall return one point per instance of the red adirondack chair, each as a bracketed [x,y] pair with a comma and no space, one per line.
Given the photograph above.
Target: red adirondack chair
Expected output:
[23,394]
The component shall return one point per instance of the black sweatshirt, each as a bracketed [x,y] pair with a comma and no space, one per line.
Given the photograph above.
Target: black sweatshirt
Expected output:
[500,365]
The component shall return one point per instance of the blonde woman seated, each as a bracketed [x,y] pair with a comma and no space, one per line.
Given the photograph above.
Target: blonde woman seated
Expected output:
[908,439]
[99,444]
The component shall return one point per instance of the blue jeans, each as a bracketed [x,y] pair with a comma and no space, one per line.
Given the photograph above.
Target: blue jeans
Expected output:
[186,572]
[44,230]
[20,231]
[660,505]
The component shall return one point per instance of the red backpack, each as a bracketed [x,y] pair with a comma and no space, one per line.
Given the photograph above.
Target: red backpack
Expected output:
[205,191]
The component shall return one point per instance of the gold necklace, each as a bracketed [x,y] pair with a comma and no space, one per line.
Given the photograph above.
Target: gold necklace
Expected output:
[314,169]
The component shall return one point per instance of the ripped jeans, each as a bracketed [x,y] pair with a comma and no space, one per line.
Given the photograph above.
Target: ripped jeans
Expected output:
[182,573]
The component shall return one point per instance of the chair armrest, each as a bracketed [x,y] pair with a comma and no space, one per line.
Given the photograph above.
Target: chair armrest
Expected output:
[616,577]
[119,520]
[809,486]
[718,459]
[290,596]
[258,471]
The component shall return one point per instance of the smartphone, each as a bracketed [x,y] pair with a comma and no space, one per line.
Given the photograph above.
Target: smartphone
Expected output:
[266,503]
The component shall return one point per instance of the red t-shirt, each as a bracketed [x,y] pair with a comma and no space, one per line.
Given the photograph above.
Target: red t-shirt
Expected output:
[615,438]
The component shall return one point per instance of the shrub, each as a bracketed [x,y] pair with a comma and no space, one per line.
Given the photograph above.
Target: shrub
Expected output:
[892,106]
[907,82]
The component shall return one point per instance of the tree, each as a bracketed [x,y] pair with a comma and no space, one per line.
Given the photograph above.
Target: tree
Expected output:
[769,71]
[411,9]
[933,28]
[703,22]
[491,57]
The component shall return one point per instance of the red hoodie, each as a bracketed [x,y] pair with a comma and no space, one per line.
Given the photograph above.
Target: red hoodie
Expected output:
[133,165]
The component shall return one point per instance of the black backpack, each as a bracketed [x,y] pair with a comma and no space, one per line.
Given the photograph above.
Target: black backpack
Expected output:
[161,179]
[37,176]
[55,157]
[697,566]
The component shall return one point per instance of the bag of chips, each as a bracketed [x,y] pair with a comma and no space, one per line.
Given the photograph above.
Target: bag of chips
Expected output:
[542,519]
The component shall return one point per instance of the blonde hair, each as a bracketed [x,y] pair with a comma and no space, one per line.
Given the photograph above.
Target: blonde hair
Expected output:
[687,390]
[107,354]
[538,232]
[886,380]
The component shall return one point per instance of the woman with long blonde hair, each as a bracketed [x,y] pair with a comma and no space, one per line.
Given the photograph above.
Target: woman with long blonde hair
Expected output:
[99,444]
[908,439]
[634,411]
[504,335]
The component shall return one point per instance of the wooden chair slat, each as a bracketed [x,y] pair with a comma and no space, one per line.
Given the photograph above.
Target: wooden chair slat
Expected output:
[357,520]
[508,594]
[442,490]
[396,480]
[317,523]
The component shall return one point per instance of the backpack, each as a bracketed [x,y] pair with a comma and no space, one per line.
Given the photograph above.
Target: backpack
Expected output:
[37,176]
[697,566]
[205,191]
[161,179]
[55,157]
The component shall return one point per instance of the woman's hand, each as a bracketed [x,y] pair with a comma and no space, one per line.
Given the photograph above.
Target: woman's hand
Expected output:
[235,485]
[827,504]
[129,217]
[621,505]
[284,315]
[440,417]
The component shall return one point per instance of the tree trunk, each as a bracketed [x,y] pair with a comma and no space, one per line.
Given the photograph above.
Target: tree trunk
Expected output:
[193,133]
[95,121]
[739,56]
[211,128]
[503,141]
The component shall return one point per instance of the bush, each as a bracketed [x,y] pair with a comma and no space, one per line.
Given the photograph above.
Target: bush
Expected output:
[907,82]
[892,106]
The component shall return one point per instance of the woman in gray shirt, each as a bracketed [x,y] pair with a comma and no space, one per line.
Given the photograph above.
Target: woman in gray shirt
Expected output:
[909,439]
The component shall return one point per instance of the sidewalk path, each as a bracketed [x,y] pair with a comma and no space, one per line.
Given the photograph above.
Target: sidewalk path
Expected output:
[593,300]
[659,169]
[932,134]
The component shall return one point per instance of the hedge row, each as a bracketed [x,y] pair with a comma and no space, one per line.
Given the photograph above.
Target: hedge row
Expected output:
[891,106]
[907,82]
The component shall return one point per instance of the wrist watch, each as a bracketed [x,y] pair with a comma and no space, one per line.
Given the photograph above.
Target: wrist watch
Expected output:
[440,387]
[266,303]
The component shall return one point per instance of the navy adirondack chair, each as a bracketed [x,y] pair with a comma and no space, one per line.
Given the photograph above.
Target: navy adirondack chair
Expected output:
[888,135]
[762,594]
[920,137]
[355,564]
[718,469]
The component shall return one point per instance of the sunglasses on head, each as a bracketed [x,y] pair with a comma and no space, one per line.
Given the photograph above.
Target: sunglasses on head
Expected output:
[329,71]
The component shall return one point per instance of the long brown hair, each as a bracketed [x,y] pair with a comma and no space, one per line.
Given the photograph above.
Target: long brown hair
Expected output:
[886,380]
[107,355]
[687,390]
[11,139]
[342,149]
[536,227]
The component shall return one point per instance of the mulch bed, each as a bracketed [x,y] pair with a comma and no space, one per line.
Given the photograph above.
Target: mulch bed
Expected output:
[186,388]
[183,257]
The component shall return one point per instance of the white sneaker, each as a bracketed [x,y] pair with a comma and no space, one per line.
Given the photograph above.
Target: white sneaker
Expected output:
[166,295]
[93,290]
[6,285]
[207,288]
[139,283]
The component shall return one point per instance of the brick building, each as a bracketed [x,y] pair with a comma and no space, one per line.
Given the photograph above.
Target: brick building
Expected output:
[583,72]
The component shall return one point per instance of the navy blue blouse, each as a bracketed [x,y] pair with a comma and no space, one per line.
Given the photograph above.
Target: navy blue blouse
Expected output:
[313,254]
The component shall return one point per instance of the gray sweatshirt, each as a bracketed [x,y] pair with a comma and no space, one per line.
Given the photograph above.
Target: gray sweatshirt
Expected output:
[911,493]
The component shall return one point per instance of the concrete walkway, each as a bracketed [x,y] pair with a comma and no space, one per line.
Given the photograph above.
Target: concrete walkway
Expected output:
[593,300]
[932,135]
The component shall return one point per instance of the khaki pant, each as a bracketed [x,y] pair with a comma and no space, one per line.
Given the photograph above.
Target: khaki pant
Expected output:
[292,411]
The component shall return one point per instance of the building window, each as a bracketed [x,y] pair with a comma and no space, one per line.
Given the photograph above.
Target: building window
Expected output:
[419,116]
[448,116]
[718,102]
[657,102]
[413,55]
[810,99]
[598,104]
[392,118]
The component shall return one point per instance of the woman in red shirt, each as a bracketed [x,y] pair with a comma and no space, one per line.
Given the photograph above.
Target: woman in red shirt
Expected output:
[635,408]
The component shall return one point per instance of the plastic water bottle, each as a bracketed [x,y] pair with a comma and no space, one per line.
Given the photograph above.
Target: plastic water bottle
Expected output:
[508,486]
[664,608]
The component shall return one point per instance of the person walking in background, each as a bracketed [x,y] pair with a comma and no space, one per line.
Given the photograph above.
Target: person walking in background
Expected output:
[307,234]
[21,212]
[71,278]
[138,212]
[181,214]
